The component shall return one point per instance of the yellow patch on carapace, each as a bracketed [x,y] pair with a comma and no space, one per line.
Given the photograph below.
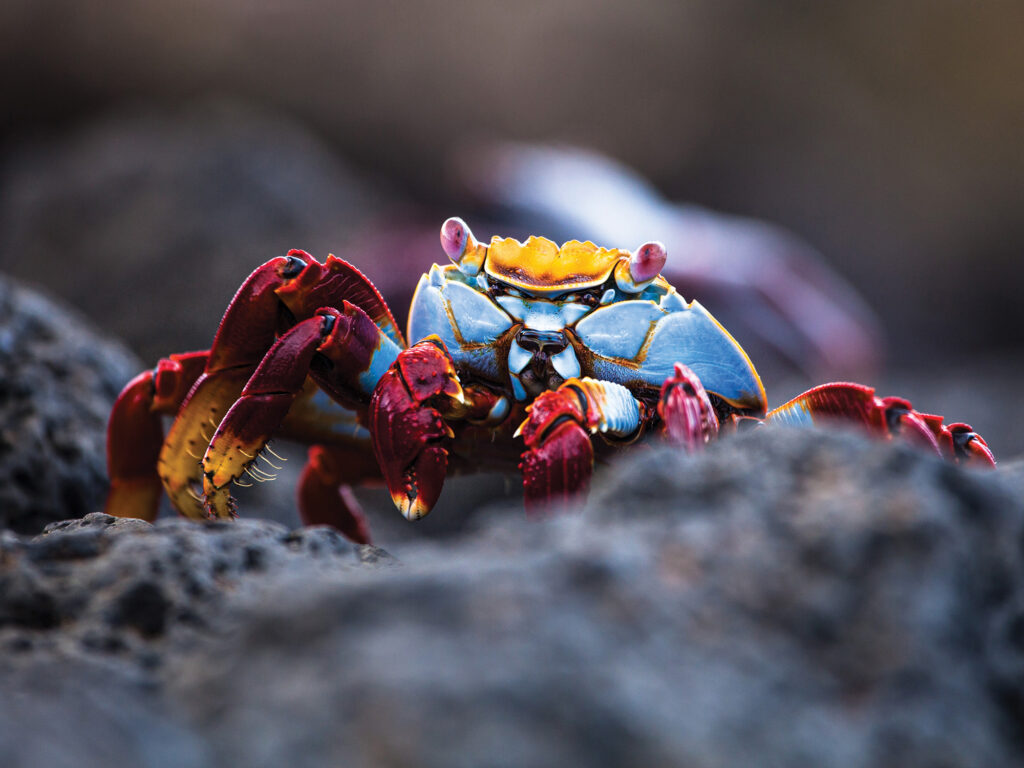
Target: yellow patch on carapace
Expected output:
[540,266]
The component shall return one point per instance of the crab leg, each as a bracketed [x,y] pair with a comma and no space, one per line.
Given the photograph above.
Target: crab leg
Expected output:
[559,457]
[885,417]
[345,353]
[688,419]
[325,489]
[135,434]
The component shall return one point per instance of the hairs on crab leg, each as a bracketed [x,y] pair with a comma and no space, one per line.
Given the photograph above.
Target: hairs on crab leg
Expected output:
[341,349]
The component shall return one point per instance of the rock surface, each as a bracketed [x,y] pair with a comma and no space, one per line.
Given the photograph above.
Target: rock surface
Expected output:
[90,611]
[788,598]
[58,381]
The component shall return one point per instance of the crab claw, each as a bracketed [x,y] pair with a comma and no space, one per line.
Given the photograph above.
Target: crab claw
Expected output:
[407,428]
[559,457]
[687,416]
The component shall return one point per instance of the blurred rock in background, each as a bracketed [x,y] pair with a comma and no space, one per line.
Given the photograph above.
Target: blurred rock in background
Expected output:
[888,136]
[58,381]
[149,220]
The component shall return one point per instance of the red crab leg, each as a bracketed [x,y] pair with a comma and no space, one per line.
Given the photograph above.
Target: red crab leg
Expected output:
[350,347]
[246,332]
[325,492]
[135,434]
[886,417]
[296,282]
[408,423]
[559,457]
[688,419]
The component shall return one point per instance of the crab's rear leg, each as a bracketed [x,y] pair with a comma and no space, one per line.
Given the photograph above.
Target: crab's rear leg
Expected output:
[135,433]
[344,352]
[884,417]
[559,457]
[325,489]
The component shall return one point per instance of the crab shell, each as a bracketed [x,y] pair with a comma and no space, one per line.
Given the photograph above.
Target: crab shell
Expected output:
[634,336]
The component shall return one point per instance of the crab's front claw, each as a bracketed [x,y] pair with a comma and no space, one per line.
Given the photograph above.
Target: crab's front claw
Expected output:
[407,427]
[559,458]
[688,418]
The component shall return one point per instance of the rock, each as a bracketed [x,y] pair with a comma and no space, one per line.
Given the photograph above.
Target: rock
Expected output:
[788,598]
[58,381]
[890,139]
[128,591]
[149,219]
[90,610]
[87,714]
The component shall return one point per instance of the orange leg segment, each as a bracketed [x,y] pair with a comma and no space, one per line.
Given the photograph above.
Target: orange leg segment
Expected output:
[135,433]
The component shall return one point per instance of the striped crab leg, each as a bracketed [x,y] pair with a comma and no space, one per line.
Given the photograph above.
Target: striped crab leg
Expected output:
[887,418]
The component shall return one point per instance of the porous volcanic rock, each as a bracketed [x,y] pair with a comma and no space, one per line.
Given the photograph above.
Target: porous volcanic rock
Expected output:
[116,586]
[788,598]
[58,381]
[90,610]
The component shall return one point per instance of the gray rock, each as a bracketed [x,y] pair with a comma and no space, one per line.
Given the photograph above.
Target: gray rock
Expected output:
[789,598]
[130,592]
[90,609]
[58,381]
[87,714]
[149,219]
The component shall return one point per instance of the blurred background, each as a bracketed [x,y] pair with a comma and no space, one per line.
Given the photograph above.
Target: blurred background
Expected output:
[154,153]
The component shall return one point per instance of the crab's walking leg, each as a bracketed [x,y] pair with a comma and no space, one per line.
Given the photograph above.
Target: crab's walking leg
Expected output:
[408,422]
[885,417]
[559,457]
[688,418]
[344,351]
[135,434]
[245,333]
[325,490]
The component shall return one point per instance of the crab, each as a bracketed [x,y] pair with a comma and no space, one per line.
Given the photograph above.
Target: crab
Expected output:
[526,354]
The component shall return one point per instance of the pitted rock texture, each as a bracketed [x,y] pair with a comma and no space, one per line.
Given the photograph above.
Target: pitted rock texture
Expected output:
[90,611]
[789,598]
[117,587]
[58,381]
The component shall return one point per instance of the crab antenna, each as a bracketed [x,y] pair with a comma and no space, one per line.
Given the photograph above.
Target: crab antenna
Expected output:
[645,263]
[462,248]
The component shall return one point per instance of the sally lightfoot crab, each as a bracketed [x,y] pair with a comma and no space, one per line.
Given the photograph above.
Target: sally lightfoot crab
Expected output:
[573,349]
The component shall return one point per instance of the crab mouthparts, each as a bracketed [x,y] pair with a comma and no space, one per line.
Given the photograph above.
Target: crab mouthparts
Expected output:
[539,361]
